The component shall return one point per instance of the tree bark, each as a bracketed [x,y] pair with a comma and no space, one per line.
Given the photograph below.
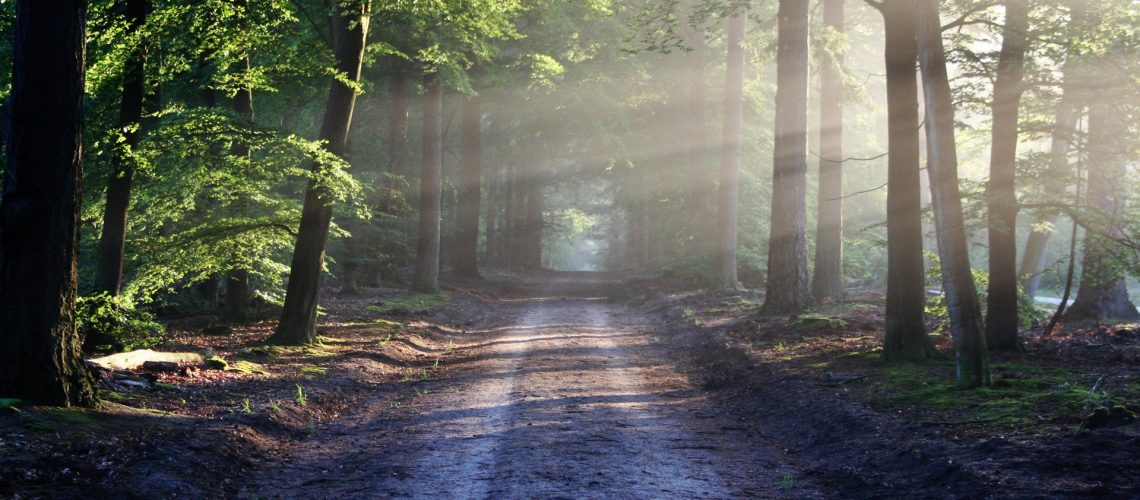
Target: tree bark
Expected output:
[237,279]
[40,357]
[906,338]
[1102,294]
[1060,166]
[533,219]
[470,190]
[510,215]
[971,355]
[697,129]
[728,192]
[298,324]
[109,270]
[492,209]
[789,285]
[827,282]
[431,177]
[1001,195]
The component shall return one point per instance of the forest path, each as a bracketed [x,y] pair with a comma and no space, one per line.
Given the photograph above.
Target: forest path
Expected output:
[566,397]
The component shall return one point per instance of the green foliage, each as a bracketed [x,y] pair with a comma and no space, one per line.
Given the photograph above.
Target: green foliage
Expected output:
[300,397]
[411,301]
[118,320]
[1027,312]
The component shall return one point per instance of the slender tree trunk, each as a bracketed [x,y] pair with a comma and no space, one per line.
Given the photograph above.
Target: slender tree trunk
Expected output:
[533,220]
[1060,169]
[1001,311]
[971,355]
[789,285]
[704,185]
[237,278]
[40,357]
[109,271]
[470,190]
[1102,294]
[298,324]
[906,338]
[491,214]
[431,178]
[728,195]
[827,282]
[510,217]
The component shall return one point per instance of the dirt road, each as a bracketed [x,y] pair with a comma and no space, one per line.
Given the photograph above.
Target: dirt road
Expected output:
[561,398]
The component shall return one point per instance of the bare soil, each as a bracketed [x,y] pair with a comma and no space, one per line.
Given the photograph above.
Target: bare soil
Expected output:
[545,386]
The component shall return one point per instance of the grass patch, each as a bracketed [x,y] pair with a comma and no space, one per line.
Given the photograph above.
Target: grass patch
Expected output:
[410,301]
[314,371]
[1022,396]
[247,367]
[57,419]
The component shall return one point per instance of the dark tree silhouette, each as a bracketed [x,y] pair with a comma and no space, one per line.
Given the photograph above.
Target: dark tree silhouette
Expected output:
[40,358]
[906,338]
[109,273]
[1001,299]
[299,316]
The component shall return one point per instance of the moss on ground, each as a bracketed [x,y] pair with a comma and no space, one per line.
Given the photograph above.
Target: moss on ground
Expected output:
[1022,396]
[411,301]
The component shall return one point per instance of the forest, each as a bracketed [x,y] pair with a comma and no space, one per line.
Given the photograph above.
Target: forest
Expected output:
[569,248]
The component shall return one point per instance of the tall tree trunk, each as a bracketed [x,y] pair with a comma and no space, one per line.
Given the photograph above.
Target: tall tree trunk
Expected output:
[349,22]
[789,285]
[1001,195]
[697,129]
[396,147]
[431,185]
[971,355]
[728,192]
[827,282]
[533,220]
[491,214]
[40,357]
[906,338]
[1060,166]
[109,271]
[1102,294]
[510,215]
[237,278]
[470,190]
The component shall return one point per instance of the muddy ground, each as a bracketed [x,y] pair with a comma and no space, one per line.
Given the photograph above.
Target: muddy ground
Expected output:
[569,385]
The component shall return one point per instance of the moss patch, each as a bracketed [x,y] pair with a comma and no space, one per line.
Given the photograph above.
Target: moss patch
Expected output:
[313,371]
[57,419]
[410,302]
[247,367]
